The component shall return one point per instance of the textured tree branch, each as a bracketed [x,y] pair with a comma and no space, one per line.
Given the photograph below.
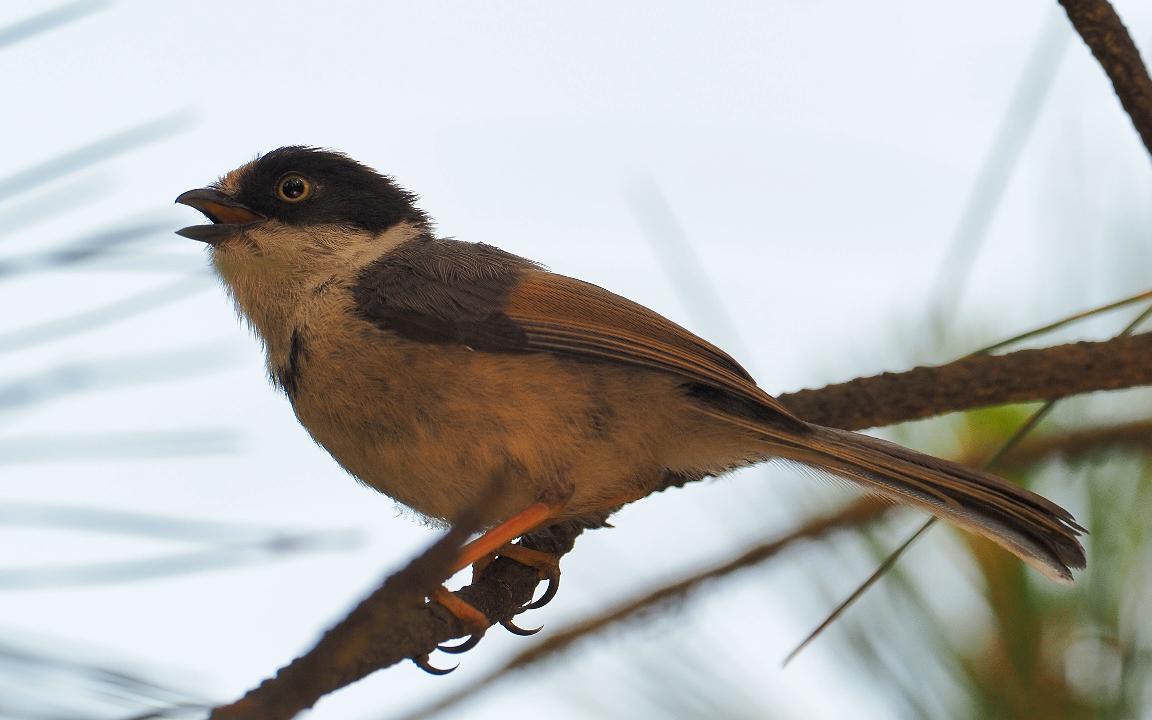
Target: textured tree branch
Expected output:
[1105,34]
[394,624]
[856,514]
[978,381]
[364,641]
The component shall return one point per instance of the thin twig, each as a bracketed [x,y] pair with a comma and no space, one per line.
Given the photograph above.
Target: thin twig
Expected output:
[1067,320]
[1135,436]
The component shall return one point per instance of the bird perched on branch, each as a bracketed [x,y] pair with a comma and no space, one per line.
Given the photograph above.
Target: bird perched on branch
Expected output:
[428,366]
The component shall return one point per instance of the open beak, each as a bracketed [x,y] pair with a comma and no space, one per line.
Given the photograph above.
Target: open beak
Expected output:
[228,216]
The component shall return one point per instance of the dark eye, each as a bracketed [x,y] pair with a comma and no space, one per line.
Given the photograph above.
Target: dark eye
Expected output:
[293,188]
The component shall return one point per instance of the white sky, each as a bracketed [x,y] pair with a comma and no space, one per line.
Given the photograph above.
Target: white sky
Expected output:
[816,154]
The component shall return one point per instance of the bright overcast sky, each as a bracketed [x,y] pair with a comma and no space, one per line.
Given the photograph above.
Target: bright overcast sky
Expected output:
[814,155]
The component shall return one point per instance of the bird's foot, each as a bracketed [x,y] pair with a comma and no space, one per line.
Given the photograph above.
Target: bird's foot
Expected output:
[546,565]
[477,623]
[474,621]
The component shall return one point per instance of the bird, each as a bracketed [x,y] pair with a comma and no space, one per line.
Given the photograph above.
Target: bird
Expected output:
[429,366]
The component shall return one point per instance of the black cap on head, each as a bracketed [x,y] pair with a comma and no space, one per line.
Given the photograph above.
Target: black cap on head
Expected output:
[300,185]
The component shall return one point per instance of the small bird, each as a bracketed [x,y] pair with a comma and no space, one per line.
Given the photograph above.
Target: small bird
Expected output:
[428,366]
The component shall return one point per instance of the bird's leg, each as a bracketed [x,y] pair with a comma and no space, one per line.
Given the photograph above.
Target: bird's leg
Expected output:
[481,551]
[498,537]
[547,564]
[474,621]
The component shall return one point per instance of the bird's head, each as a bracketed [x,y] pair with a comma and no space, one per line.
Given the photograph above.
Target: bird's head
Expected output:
[299,202]
[297,219]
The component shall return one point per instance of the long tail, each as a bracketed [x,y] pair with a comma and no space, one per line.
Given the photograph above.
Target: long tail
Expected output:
[1040,532]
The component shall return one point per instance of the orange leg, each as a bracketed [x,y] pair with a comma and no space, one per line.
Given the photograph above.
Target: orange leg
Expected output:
[481,551]
[497,542]
[547,563]
[490,542]
[474,621]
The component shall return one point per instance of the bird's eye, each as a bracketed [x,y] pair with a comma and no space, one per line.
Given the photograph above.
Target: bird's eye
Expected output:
[293,188]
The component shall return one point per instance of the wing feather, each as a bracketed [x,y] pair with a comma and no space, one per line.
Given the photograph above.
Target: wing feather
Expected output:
[446,291]
[567,316]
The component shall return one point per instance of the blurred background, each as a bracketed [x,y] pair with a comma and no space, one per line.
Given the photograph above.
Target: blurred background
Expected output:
[826,189]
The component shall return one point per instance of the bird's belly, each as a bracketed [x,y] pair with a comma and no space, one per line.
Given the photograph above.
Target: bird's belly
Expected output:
[434,427]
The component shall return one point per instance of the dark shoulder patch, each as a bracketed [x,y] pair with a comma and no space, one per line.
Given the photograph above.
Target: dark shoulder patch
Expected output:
[444,291]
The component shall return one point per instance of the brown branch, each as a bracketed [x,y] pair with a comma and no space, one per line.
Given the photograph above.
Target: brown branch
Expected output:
[390,625]
[368,638]
[393,625]
[856,514]
[1104,32]
[979,381]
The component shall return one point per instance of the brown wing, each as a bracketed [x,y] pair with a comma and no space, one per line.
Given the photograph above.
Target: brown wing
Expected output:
[446,291]
[570,317]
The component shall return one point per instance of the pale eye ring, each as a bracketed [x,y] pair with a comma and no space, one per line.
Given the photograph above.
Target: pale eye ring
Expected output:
[293,188]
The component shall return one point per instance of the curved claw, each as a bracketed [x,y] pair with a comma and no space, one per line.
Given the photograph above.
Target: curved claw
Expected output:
[549,593]
[469,643]
[422,663]
[517,630]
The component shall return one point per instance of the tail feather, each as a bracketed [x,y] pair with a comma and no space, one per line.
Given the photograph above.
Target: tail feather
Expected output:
[1035,529]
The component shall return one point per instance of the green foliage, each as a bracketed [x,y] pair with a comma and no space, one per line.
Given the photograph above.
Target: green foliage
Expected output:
[1043,651]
